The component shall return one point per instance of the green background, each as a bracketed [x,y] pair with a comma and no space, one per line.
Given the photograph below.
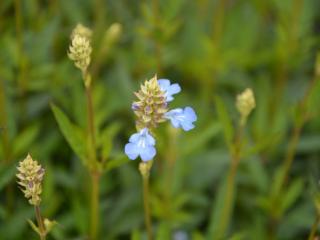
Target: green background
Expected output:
[214,50]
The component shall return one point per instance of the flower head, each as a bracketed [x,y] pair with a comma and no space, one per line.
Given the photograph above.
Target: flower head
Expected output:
[151,105]
[169,89]
[30,175]
[141,144]
[245,103]
[182,118]
[82,31]
[80,48]
[152,109]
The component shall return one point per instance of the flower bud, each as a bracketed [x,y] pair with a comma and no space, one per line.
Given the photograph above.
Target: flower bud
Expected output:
[30,175]
[113,32]
[245,104]
[144,168]
[80,48]
[151,105]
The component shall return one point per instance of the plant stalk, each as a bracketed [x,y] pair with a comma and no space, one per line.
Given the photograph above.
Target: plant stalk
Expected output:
[147,215]
[314,228]
[40,223]
[94,171]
[230,187]
[94,216]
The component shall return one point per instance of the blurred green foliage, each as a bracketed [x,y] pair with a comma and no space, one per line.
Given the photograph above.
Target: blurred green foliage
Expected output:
[214,49]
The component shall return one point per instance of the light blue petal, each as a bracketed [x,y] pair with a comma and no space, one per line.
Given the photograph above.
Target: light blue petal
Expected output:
[131,151]
[182,118]
[190,114]
[174,89]
[164,84]
[187,126]
[169,89]
[150,140]
[135,137]
[148,153]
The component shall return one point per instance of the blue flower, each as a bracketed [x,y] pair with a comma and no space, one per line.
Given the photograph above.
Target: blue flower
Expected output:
[141,144]
[169,89]
[182,118]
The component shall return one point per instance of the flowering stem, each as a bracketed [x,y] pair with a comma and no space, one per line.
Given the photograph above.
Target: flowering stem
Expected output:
[40,222]
[292,147]
[95,175]
[314,228]
[22,66]
[147,215]
[230,187]
[5,141]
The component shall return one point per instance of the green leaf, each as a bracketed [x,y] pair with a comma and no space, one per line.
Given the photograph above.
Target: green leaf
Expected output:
[72,133]
[105,140]
[34,227]
[23,141]
[6,175]
[219,220]
[225,121]
[136,235]
[292,192]
[116,162]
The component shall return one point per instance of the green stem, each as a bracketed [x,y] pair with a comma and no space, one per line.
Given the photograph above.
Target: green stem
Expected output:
[5,141]
[94,227]
[41,226]
[229,196]
[22,67]
[230,187]
[147,215]
[93,164]
[314,228]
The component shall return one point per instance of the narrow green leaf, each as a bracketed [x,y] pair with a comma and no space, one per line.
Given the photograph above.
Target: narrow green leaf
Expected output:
[116,162]
[291,194]
[225,121]
[72,133]
[105,140]
[6,175]
[23,141]
[34,227]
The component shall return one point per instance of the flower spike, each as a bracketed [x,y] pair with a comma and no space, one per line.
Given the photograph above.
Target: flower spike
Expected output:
[151,108]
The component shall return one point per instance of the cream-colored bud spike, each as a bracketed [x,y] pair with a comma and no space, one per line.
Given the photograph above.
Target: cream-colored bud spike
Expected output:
[80,48]
[245,103]
[30,175]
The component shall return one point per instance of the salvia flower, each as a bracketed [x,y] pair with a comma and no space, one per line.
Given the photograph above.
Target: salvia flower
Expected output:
[80,48]
[141,144]
[182,118]
[151,108]
[30,175]
[169,89]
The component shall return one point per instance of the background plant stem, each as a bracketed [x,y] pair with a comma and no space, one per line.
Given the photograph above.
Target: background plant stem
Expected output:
[147,215]
[40,223]
[230,187]
[95,175]
[314,228]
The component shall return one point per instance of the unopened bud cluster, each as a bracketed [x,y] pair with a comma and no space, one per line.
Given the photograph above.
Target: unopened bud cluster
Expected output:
[80,48]
[245,104]
[30,175]
[151,105]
